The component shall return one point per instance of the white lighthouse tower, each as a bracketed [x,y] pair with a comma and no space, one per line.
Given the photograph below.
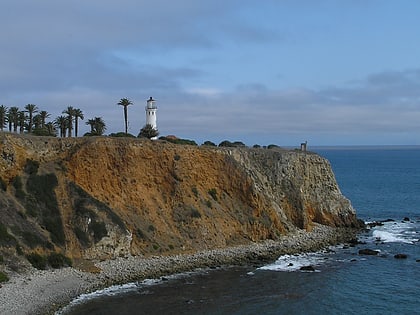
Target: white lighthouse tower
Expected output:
[151,110]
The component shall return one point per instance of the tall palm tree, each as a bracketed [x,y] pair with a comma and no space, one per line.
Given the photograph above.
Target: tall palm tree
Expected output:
[30,109]
[125,102]
[37,122]
[3,116]
[77,114]
[43,115]
[61,123]
[97,126]
[21,121]
[12,117]
[70,116]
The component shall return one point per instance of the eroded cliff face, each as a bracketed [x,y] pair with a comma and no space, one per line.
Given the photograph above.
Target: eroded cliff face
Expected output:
[104,197]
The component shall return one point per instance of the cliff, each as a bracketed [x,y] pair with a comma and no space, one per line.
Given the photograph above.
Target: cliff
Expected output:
[101,197]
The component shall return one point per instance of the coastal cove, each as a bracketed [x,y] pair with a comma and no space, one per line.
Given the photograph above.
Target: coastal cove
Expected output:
[130,209]
[382,183]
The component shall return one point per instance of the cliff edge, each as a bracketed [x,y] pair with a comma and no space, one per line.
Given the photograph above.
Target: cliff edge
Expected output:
[101,197]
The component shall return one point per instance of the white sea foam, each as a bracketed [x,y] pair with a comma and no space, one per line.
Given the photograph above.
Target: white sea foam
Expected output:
[295,262]
[396,232]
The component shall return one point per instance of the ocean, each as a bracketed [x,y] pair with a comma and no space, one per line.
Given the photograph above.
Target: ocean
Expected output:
[383,184]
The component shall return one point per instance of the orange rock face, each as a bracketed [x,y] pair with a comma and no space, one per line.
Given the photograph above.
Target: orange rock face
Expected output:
[118,196]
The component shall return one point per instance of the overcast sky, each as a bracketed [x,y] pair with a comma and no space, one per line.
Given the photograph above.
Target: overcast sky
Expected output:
[258,71]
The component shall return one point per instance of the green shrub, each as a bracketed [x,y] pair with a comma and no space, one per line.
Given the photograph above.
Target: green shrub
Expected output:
[42,203]
[178,141]
[3,277]
[227,143]
[209,143]
[37,261]
[99,230]
[140,234]
[18,185]
[5,237]
[213,193]
[195,191]
[122,135]
[3,184]
[151,228]
[81,236]
[31,167]
[1,259]
[208,203]
[31,239]
[58,260]
[177,157]
[155,246]
[195,213]
[19,250]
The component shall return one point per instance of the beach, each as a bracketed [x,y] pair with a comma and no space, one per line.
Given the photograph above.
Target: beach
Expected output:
[46,291]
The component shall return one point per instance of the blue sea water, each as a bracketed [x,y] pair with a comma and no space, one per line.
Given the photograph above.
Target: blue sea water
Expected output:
[382,183]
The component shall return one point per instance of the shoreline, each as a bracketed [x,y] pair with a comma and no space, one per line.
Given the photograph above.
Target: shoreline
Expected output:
[46,291]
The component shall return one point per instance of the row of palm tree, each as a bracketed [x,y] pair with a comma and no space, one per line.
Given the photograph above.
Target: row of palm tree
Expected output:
[32,120]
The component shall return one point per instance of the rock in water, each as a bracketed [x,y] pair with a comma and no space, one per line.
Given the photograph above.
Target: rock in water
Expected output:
[307,268]
[368,251]
[400,256]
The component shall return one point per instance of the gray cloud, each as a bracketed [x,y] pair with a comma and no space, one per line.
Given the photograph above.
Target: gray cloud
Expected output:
[89,54]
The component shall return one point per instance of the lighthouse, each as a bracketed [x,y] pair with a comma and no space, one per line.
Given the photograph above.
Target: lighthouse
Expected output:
[151,109]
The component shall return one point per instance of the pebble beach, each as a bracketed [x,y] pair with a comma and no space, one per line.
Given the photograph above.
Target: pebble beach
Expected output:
[46,291]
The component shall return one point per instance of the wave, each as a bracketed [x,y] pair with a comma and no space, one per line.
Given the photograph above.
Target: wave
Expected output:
[396,232]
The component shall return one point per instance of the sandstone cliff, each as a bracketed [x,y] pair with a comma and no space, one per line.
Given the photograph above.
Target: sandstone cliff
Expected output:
[106,197]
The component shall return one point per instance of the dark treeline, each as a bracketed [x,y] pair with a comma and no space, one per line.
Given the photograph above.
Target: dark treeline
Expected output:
[33,120]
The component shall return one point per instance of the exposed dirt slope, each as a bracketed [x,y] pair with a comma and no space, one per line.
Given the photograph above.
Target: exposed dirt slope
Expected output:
[104,197]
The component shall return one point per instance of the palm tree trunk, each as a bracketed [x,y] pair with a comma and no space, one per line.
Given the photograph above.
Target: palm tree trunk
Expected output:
[125,118]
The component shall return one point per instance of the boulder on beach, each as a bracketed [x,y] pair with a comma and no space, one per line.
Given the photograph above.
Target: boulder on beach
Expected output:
[368,251]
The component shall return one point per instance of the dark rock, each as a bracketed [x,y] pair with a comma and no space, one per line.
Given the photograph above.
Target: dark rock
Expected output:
[368,251]
[406,219]
[400,256]
[374,223]
[353,260]
[417,260]
[290,265]
[307,268]
[388,220]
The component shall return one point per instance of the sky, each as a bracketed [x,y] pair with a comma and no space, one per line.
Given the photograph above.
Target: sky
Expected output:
[330,72]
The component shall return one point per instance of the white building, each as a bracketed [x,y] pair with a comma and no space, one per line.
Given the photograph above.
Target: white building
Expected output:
[151,110]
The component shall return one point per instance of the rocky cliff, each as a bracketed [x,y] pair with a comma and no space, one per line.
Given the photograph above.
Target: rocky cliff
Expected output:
[106,197]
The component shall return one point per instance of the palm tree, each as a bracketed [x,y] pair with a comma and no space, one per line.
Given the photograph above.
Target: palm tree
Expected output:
[50,128]
[12,117]
[37,122]
[61,123]
[77,114]
[70,115]
[125,102]
[21,121]
[43,115]
[97,126]
[3,116]
[30,109]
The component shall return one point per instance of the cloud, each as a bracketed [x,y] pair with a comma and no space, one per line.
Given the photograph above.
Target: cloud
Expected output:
[210,64]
